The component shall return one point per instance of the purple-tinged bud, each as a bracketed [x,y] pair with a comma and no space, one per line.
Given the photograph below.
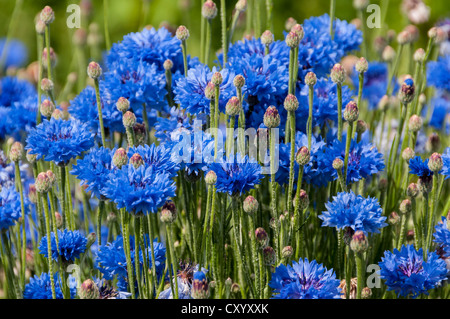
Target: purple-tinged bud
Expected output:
[47,15]
[51,176]
[47,108]
[241,5]
[123,105]
[338,164]
[361,127]
[412,190]
[419,55]
[233,106]
[310,79]
[394,218]
[405,206]
[120,158]
[391,35]
[271,117]
[210,91]
[441,36]
[351,112]
[262,239]
[360,4]
[31,158]
[359,243]
[235,288]
[267,38]
[435,163]
[170,205]
[298,29]
[303,200]
[274,223]
[32,194]
[357,23]
[366,293]
[58,220]
[129,119]
[58,114]
[415,123]
[182,33]
[382,184]
[269,256]
[303,156]
[407,91]
[209,10]
[408,153]
[168,216]
[425,184]
[287,252]
[140,132]
[200,289]
[291,103]
[89,290]
[94,70]
[40,27]
[217,79]
[136,160]
[413,32]
[410,235]
[362,65]
[388,54]
[433,143]
[168,65]
[404,37]
[79,37]
[46,85]
[52,58]
[239,81]
[16,152]
[91,238]
[292,40]
[251,205]
[42,183]
[338,74]
[211,178]
[290,22]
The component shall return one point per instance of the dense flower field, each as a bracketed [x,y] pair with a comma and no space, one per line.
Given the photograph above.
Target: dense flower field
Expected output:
[314,166]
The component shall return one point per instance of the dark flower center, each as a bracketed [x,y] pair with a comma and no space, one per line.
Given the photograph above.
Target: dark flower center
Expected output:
[412,267]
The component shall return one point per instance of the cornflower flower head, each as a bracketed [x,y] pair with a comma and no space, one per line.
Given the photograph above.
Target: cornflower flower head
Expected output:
[407,273]
[108,292]
[438,73]
[71,245]
[238,176]
[158,157]
[59,141]
[419,167]
[40,287]
[446,159]
[350,210]
[140,190]
[10,210]
[304,280]
[442,237]
[176,119]
[16,54]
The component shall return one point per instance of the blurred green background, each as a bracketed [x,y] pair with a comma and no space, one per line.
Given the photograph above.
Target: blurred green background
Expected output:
[129,15]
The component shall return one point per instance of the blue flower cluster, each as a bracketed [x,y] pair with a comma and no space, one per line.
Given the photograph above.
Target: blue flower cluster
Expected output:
[40,287]
[10,210]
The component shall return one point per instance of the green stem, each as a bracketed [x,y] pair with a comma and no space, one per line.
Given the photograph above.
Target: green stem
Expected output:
[127,250]
[208,41]
[292,160]
[360,274]
[49,244]
[99,109]
[105,24]
[332,14]
[310,115]
[223,19]
[339,102]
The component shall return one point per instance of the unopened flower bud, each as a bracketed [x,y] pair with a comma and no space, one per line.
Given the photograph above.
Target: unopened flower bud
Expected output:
[200,289]
[262,239]
[217,79]
[52,177]
[120,158]
[89,290]
[182,33]
[382,184]
[366,293]
[303,200]
[359,242]
[267,38]
[209,10]
[412,190]
[123,104]
[47,108]
[413,32]
[404,37]
[419,55]
[408,153]
[239,81]
[394,218]
[415,123]
[407,91]
[241,5]
[292,40]
[136,160]
[210,91]
[410,235]
[303,156]
[310,79]
[269,256]
[168,65]
[338,74]
[168,216]
[94,70]
[40,26]
[291,103]
[46,85]
[250,205]
[435,163]
[351,112]
[233,106]
[388,54]
[290,22]
[361,127]
[31,158]
[425,184]
[42,183]
[405,206]
[360,4]
[362,65]
[298,29]
[287,252]
[47,15]
[16,152]
[129,119]
[433,143]
[211,178]
[338,164]
[58,220]
[271,117]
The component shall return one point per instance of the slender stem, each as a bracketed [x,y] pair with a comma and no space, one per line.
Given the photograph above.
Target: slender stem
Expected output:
[40,46]
[49,244]
[147,127]
[49,63]
[185,63]
[24,235]
[223,19]
[152,249]
[332,14]
[99,109]
[292,162]
[269,16]
[272,172]
[401,236]
[360,274]
[394,71]
[310,115]
[347,148]
[298,217]
[137,262]
[105,24]
[208,42]
[127,251]
[234,21]
[339,102]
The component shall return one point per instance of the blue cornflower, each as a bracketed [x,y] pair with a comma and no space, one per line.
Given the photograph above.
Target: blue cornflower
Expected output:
[354,211]
[14,89]
[442,236]
[16,54]
[375,82]
[111,260]
[158,157]
[164,126]
[324,104]
[40,287]
[93,170]
[438,73]
[304,280]
[190,91]
[71,245]
[10,210]
[419,167]
[7,174]
[440,105]
[407,273]
[237,176]
[446,159]
[364,159]
[59,140]
[84,108]
[108,292]
[140,190]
